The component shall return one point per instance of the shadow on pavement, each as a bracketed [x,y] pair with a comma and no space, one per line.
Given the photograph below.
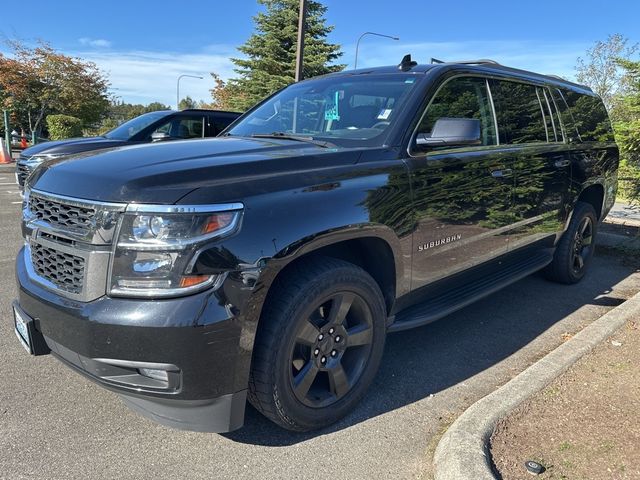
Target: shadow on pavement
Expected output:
[432,358]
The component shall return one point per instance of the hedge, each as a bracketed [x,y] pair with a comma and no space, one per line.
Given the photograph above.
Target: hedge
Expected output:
[63,126]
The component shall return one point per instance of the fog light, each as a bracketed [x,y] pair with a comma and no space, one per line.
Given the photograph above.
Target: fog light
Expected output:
[154,373]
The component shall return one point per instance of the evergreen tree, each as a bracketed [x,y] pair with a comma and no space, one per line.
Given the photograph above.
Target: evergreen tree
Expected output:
[271,54]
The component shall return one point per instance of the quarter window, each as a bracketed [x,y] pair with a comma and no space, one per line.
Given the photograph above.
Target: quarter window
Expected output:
[590,117]
[519,110]
[462,98]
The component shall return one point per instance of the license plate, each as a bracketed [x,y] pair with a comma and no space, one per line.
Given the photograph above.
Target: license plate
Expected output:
[22,329]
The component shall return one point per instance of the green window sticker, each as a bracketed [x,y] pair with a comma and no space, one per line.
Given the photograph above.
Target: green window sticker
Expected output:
[331,111]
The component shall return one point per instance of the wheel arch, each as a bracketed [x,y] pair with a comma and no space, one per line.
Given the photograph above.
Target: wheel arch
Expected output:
[374,248]
[594,195]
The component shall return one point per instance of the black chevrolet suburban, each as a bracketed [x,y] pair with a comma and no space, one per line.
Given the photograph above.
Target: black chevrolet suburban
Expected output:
[148,127]
[270,263]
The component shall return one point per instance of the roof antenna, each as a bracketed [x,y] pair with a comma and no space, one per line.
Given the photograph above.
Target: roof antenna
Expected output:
[406,64]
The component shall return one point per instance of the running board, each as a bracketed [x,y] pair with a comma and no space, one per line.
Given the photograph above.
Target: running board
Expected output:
[448,300]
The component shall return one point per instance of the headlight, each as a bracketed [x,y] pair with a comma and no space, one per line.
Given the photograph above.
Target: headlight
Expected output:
[156,245]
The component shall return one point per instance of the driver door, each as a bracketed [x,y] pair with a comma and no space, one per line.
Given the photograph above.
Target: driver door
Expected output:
[462,194]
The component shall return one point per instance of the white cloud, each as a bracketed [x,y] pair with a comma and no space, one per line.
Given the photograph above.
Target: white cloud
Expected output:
[549,57]
[144,76]
[95,42]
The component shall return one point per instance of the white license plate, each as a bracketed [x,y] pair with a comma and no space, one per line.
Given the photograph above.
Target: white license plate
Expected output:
[22,330]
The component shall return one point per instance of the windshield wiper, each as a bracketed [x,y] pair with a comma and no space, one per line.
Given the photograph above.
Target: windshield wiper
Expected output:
[297,138]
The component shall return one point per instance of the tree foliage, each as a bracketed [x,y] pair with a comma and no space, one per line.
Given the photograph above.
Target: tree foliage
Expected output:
[120,112]
[612,73]
[601,69]
[270,54]
[627,129]
[63,126]
[187,103]
[36,82]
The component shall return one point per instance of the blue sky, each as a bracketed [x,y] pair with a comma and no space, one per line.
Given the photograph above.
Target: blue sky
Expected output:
[144,46]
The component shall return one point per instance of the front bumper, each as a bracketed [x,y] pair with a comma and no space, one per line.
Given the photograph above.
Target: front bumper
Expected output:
[196,339]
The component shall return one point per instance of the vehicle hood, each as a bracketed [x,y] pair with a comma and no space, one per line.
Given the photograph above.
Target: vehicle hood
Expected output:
[165,172]
[71,146]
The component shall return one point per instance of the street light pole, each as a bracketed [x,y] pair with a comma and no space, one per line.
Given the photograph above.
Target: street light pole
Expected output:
[370,33]
[178,88]
[302,24]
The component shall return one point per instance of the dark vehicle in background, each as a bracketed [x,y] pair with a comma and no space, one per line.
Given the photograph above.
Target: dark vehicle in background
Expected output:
[149,127]
[271,262]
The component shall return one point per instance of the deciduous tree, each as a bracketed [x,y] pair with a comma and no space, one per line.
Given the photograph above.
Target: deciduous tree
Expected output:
[601,70]
[39,81]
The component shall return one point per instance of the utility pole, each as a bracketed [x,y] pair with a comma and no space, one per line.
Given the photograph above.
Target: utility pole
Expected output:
[302,17]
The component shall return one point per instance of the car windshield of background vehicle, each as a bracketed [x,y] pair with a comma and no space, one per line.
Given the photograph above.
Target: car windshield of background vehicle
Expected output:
[133,126]
[345,110]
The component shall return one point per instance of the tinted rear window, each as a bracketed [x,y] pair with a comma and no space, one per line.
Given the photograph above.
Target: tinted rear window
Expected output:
[519,112]
[590,117]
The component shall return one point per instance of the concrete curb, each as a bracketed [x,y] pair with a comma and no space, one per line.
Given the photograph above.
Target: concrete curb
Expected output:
[463,451]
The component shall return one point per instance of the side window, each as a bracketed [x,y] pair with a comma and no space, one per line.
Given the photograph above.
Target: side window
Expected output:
[558,135]
[218,124]
[590,117]
[565,115]
[183,127]
[519,112]
[462,98]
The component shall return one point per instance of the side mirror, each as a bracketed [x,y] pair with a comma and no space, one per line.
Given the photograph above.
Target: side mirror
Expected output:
[159,136]
[452,132]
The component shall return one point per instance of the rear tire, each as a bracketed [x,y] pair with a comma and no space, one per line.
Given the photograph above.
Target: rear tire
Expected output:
[575,249]
[319,344]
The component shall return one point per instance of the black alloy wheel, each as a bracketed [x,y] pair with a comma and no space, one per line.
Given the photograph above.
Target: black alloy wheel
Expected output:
[331,349]
[318,345]
[576,246]
[582,244]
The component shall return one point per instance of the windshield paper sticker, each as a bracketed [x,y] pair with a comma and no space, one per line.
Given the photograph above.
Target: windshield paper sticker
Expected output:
[384,114]
[331,111]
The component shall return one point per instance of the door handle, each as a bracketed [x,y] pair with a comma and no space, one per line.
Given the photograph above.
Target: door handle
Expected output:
[506,172]
[562,163]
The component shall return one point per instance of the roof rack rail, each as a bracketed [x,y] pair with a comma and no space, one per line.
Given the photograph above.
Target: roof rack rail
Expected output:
[468,62]
[557,77]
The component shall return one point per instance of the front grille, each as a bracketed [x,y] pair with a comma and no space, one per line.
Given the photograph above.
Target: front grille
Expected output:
[64,270]
[23,172]
[61,215]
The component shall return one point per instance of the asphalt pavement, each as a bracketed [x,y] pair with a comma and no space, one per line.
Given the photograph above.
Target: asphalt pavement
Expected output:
[55,424]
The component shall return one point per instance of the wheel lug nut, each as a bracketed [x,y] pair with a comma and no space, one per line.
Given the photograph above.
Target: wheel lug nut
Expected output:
[320,337]
[316,352]
[330,330]
[334,353]
[338,338]
[323,360]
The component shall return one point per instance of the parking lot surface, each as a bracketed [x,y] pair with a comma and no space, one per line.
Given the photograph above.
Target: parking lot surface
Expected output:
[55,424]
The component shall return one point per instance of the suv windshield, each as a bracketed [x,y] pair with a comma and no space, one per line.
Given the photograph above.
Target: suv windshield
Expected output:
[344,110]
[135,125]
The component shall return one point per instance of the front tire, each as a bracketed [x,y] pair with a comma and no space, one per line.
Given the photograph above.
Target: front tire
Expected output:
[575,249]
[319,344]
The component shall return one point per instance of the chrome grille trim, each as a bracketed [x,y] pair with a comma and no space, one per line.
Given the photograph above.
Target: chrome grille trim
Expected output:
[63,270]
[61,215]
[22,172]
[95,264]
[65,236]
[87,221]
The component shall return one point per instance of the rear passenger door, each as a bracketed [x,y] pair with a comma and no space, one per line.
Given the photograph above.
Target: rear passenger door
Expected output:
[528,122]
